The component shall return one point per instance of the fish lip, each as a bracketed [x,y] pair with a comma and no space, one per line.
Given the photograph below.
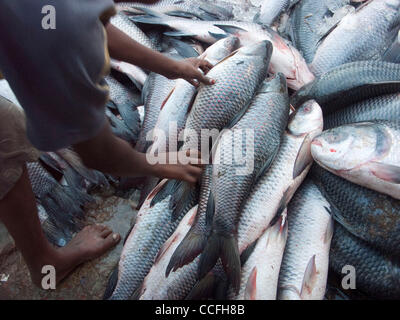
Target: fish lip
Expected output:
[316,142]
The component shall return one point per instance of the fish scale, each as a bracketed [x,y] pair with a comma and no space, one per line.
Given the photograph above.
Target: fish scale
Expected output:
[376,274]
[267,117]
[237,79]
[371,216]
[385,107]
[275,188]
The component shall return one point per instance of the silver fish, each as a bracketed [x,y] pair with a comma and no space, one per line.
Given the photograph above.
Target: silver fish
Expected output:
[274,190]
[379,22]
[259,278]
[304,270]
[152,228]
[270,10]
[158,286]
[392,54]
[365,153]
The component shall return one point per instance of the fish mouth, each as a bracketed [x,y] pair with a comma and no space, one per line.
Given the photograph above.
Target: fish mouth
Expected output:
[316,143]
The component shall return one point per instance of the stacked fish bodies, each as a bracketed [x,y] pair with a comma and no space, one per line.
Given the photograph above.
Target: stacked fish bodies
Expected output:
[260,272]
[366,153]
[257,135]
[379,21]
[350,83]
[154,225]
[275,188]
[304,269]
[285,58]
[159,286]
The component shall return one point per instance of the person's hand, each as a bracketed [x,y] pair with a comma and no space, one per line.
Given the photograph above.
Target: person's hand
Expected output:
[188,69]
[180,166]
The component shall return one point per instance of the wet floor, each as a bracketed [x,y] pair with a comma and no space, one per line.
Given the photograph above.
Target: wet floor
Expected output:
[88,281]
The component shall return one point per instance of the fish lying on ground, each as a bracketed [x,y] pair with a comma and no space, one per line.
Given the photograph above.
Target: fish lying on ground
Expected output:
[350,83]
[157,285]
[259,277]
[264,123]
[304,269]
[379,20]
[154,225]
[366,153]
[385,107]
[367,214]
[375,273]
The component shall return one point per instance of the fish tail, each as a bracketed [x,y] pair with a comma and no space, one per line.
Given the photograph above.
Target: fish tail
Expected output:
[210,255]
[203,289]
[111,284]
[181,196]
[189,248]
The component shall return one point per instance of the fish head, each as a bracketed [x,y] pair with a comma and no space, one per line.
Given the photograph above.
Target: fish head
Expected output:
[262,49]
[306,119]
[349,146]
[222,48]
[275,83]
[302,74]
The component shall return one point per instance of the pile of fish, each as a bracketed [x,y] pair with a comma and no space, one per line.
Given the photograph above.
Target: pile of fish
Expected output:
[308,203]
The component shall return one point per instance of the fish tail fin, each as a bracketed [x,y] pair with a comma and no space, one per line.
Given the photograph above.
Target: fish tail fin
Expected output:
[181,196]
[189,248]
[167,189]
[203,289]
[111,284]
[210,255]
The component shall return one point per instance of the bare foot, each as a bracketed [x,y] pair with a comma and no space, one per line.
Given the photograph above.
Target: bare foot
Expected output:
[90,243]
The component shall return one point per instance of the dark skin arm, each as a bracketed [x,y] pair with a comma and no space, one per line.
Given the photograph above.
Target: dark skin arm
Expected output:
[110,154]
[123,48]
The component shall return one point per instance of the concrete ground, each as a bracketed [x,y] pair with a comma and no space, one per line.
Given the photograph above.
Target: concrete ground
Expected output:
[88,281]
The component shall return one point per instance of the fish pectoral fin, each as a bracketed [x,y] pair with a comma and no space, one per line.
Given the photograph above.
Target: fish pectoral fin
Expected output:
[230,28]
[218,36]
[386,172]
[304,157]
[251,286]
[247,252]
[329,230]
[309,279]
[166,99]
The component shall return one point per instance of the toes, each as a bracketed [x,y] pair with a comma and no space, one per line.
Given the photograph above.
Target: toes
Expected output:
[111,240]
[105,232]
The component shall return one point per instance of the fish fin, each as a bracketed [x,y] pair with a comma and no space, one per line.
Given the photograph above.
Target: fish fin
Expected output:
[185,50]
[50,162]
[287,195]
[210,255]
[218,36]
[179,34]
[251,286]
[230,259]
[167,244]
[167,189]
[247,252]
[111,284]
[183,14]
[309,277]
[229,28]
[304,157]
[179,199]
[329,230]
[221,289]
[238,116]
[136,293]
[189,248]
[267,165]
[203,289]
[148,19]
[210,209]
[166,99]
[386,172]
[149,184]
[150,12]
